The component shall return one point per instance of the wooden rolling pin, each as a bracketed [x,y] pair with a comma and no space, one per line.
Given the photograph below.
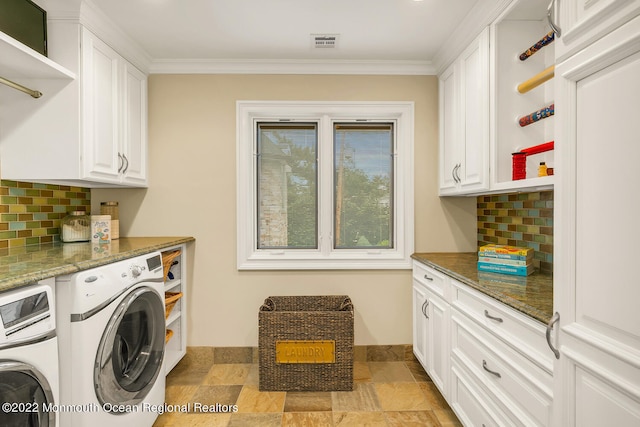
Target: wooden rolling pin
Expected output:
[537,80]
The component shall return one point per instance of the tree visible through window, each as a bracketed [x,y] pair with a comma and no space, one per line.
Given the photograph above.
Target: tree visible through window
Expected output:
[325,185]
[287,187]
[288,191]
[363,169]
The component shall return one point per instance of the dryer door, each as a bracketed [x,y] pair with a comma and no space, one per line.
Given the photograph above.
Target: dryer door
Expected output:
[131,350]
[25,395]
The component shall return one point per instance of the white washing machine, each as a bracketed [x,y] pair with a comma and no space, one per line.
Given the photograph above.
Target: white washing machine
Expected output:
[111,332]
[28,357]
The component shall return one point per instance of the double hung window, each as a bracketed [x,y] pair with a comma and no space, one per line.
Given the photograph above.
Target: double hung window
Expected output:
[324,185]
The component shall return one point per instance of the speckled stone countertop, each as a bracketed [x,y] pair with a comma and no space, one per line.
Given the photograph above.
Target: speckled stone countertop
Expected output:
[531,295]
[28,264]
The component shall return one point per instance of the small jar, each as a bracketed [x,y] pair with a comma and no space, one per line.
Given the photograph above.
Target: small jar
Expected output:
[542,169]
[75,227]
[111,208]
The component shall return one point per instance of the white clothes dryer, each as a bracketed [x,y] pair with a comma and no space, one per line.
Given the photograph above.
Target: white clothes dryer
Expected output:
[28,357]
[111,330]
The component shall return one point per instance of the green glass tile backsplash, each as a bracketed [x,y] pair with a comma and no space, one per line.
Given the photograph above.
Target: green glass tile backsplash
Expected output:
[30,213]
[519,219]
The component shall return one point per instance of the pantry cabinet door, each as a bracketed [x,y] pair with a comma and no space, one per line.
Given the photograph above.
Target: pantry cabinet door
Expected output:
[598,372]
[100,109]
[582,22]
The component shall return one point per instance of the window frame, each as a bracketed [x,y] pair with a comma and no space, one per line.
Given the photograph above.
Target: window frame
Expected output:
[248,113]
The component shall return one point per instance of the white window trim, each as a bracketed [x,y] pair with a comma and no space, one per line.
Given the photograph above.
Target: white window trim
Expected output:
[251,258]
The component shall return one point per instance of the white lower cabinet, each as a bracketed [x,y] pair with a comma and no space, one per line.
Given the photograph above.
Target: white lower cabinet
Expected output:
[431,325]
[468,400]
[515,385]
[491,363]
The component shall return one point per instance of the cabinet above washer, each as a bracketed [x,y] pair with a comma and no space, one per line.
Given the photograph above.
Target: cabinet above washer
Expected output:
[89,131]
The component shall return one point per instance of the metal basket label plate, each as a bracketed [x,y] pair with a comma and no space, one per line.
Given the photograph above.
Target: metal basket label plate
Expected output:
[306,351]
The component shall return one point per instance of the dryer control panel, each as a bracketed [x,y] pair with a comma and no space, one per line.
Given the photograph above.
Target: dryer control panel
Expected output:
[26,313]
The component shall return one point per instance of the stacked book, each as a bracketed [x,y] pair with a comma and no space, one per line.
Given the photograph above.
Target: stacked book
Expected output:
[505,259]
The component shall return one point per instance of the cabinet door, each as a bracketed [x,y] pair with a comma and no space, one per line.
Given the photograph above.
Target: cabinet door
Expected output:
[582,22]
[474,74]
[420,324]
[438,342]
[599,340]
[100,109]
[134,126]
[464,121]
[449,129]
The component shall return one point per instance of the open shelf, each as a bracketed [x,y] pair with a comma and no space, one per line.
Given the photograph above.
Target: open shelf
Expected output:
[517,30]
[18,61]
[176,347]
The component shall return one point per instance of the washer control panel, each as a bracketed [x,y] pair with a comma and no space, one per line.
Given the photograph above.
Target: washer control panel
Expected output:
[92,287]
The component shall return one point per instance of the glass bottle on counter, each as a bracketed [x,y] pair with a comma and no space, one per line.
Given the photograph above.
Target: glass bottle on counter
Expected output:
[75,227]
[111,208]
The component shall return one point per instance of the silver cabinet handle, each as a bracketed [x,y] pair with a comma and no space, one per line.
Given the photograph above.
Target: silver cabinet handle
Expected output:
[487,315]
[425,304]
[426,276]
[126,167]
[484,365]
[554,319]
[453,174]
[550,18]
[120,162]
[457,174]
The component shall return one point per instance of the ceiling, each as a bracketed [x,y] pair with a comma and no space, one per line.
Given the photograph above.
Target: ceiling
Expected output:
[376,30]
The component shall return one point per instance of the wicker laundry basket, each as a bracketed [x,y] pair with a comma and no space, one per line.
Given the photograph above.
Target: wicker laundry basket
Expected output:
[305,343]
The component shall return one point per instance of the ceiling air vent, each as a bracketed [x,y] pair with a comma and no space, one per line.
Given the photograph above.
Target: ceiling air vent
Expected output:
[324,41]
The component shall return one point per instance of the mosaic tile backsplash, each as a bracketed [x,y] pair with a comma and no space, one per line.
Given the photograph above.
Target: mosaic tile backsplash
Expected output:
[519,219]
[30,213]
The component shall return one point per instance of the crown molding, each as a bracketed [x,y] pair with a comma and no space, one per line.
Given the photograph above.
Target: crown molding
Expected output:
[483,13]
[256,66]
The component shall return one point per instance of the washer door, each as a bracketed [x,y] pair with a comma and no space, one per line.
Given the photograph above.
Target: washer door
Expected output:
[130,353]
[24,394]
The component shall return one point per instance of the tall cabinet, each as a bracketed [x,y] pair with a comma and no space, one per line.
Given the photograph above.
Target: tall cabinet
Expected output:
[597,374]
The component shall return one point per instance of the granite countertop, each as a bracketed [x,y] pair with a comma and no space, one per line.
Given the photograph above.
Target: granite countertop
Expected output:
[28,264]
[531,295]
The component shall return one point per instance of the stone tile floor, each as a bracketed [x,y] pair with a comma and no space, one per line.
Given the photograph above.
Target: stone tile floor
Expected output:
[385,394]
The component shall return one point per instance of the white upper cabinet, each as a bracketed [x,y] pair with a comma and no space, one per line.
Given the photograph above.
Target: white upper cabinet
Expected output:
[91,131]
[464,121]
[114,115]
[582,22]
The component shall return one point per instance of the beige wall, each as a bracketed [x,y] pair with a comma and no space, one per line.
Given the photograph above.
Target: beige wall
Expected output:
[192,143]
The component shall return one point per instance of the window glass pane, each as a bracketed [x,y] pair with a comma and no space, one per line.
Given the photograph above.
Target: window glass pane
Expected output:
[287,185]
[363,183]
